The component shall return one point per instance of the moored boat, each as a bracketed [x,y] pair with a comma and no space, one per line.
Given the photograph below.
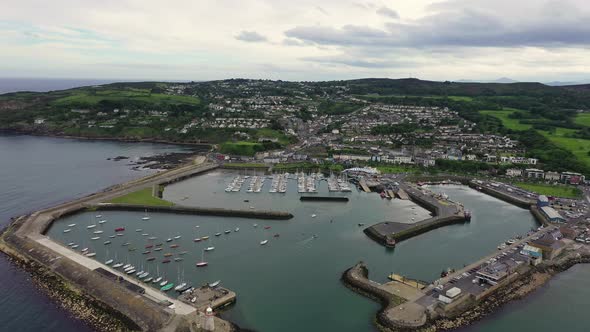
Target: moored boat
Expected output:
[263,242]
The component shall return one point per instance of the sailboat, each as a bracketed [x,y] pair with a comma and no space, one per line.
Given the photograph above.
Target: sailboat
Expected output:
[91,225]
[102,221]
[109,261]
[202,263]
[145,217]
[71,225]
[67,230]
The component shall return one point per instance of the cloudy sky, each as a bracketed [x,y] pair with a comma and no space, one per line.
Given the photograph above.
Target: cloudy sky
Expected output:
[532,40]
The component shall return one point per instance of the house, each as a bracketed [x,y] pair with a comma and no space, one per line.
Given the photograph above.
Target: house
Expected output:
[514,172]
[572,178]
[39,121]
[534,173]
[552,214]
[534,254]
[549,246]
[542,200]
[552,176]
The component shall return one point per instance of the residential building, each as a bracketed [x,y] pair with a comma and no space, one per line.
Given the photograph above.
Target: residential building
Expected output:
[534,173]
[514,172]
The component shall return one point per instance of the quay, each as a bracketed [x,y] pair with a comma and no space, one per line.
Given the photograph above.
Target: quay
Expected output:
[205,296]
[127,300]
[444,213]
[324,198]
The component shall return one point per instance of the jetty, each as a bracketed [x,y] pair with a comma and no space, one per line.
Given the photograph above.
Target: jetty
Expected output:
[444,213]
[364,185]
[323,199]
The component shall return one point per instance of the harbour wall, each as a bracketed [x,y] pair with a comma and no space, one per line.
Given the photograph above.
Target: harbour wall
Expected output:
[523,203]
[178,209]
[185,176]
[324,198]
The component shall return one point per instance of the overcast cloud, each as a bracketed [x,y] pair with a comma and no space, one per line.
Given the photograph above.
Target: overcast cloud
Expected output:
[297,40]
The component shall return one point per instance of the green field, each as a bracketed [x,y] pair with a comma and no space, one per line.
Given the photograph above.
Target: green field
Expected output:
[550,190]
[453,98]
[241,148]
[578,146]
[141,197]
[397,169]
[509,123]
[583,119]
[92,97]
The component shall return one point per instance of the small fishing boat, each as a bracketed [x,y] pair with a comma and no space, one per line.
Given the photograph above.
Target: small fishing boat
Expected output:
[263,242]
[197,239]
[120,234]
[102,221]
[120,229]
[132,249]
[144,234]
[159,244]
[177,237]
[111,236]
[71,225]
[98,216]
[313,215]
[237,229]
[130,271]
[90,254]
[140,273]
[107,242]
[98,232]
[149,259]
[205,238]
[167,287]
[71,244]
[143,275]
[126,266]
[109,262]
[184,289]
[217,234]
[169,239]
[227,231]
[214,284]
[139,230]
[118,265]
[84,250]
[148,279]
[67,230]
[90,226]
[75,246]
[361,224]
[146,252]
[166,261]
[209,248]
[95,238]
[202,264]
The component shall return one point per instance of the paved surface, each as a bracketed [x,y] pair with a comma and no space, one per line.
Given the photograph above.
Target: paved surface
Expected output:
[180,307]
[404,291]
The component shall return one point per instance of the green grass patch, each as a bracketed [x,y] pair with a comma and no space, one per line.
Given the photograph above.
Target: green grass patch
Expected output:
[92,98]
[397,169]
[244,165]
[578,146]
[509,123]
[141,197]
[550,190]
[241,148]
[583,119]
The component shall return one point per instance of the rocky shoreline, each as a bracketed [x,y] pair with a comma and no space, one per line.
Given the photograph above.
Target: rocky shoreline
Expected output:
[92,312]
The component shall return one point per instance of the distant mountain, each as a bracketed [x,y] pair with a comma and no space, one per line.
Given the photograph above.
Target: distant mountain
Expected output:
[504,80]
[560,83]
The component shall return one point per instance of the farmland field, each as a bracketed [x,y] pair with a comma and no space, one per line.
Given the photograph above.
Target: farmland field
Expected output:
[578,146]
[550,190]
[509,123]
[583,119]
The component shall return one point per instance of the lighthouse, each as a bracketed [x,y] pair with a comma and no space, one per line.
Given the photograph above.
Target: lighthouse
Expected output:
[209,324]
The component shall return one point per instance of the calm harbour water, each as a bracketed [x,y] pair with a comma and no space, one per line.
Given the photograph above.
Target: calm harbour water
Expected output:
[292,284]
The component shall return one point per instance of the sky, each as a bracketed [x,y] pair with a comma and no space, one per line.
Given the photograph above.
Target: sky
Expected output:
[303,40]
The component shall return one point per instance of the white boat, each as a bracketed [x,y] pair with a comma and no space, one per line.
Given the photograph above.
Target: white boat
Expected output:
[91,254]
[75,246]
[71,225]
[139,230]
[217,234]
[177,237]
[263,242]
[237,229]
[109,262]
[130,271]
[107,242]
[71,244]
[126,266]
[209,248]
[143,275]
[215,284]
[102,221]
[99,216]
[95,238]
[157,280]
[90,226]
[98,232]
[313,215]
[163,283]
[67,230]
[181,286]
[112,236]
[84,250]
[118,265]
[145,217]
[148,279]
[202,263]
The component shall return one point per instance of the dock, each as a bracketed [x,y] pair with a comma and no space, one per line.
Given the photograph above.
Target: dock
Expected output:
[401,194]
[364,186]
[205,296]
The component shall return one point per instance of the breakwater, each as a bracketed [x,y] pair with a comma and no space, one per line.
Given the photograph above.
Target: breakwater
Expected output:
[253,214]
[323,198]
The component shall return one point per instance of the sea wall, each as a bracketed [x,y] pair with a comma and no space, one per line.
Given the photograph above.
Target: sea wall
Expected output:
[253,214]
[520,202]
[198,171]
[324,198]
